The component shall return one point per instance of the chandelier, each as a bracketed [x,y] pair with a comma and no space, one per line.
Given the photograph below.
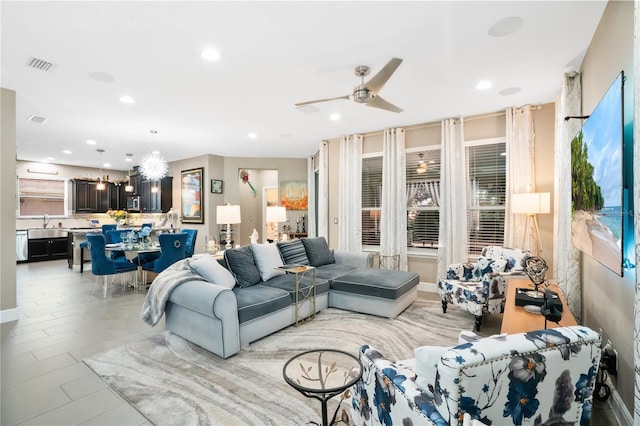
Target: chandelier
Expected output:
[153,166]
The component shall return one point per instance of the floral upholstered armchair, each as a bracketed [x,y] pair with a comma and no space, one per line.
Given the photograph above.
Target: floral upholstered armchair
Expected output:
[543,377]
[480,288]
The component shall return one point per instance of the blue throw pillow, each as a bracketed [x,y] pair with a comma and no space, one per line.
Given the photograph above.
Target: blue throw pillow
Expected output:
[318,251]
[242,265]
[293,252]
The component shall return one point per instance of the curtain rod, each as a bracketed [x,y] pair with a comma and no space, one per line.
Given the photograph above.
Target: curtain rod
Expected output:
[437,123]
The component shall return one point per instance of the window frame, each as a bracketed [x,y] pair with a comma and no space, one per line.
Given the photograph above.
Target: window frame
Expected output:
[480,208]
[65,183]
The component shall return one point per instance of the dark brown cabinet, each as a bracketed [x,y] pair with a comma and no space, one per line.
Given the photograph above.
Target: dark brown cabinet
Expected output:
[88,199]
[48,249]
[155,196]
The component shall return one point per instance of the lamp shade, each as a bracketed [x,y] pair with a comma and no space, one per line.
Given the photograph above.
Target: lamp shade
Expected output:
[276,214]
[531,203]
[227,214]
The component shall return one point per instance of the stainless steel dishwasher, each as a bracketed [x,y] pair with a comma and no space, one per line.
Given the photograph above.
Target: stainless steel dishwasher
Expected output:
[22,246]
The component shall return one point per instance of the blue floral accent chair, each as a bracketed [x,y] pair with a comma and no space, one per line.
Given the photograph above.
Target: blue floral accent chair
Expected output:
[542,377]
[480,288]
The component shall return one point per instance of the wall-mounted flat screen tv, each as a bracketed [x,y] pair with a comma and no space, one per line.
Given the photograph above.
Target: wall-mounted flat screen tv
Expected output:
[597,181]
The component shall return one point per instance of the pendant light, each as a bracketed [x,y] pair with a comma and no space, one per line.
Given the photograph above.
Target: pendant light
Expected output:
[101,185]
[128,187]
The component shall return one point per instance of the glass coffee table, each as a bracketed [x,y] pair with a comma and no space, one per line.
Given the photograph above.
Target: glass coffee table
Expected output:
[323,374]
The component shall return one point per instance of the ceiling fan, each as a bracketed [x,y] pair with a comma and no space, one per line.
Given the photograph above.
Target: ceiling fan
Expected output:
[367,93]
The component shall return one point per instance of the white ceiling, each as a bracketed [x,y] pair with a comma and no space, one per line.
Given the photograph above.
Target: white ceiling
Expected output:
[273,54]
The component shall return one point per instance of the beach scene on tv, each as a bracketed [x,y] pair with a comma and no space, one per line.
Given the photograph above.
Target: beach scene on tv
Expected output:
[596,182]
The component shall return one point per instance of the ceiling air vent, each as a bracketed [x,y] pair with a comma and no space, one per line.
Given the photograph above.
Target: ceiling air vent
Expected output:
[40,64]
[36,119]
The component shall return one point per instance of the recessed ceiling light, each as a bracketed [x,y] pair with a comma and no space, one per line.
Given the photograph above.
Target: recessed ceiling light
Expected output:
[483,85]
[50,158]
[210,54]
[126,99]
[252,135]
[66,151]
[91,142]
[106,165]
[335,117]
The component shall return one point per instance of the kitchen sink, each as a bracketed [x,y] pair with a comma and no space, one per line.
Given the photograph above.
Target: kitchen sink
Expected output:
[46,233]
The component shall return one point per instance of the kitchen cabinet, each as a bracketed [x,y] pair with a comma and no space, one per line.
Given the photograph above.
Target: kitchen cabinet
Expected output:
[87,198]
[117,196]
[159,201]
[48,249]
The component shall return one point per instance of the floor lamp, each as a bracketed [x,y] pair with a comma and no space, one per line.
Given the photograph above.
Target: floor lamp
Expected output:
[228,215]
[531,204]
[276,214]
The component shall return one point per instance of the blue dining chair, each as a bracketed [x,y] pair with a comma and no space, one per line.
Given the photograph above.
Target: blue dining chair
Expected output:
[191,240]
[173,247]
[101,265]
[85,245]
[114,236]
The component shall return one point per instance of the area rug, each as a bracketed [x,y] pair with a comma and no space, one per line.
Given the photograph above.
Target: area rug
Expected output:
[174,382]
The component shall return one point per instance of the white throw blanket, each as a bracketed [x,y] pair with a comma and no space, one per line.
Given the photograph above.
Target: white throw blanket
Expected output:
[161,288]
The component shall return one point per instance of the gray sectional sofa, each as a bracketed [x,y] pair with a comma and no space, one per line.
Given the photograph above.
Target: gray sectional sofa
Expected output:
[226,304]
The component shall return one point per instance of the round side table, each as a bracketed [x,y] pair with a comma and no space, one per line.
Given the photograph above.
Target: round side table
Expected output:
[322,374]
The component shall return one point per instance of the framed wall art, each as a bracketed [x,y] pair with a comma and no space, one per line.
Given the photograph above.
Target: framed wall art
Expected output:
[216,186]
[191,195]
[293,195]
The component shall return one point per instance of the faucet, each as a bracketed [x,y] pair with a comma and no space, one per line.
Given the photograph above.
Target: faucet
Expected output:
[45,220]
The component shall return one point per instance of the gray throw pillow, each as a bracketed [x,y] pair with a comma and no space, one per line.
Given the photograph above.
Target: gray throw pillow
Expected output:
[293,252]
[318,251]
[241,264]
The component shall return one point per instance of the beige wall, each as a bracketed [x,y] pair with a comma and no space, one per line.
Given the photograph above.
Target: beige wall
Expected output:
[492,125]
[228,169]
[608,300]
[8,301]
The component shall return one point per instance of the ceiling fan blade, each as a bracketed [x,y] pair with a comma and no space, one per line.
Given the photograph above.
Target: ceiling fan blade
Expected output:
[299,104]
[377,81]
[378,102]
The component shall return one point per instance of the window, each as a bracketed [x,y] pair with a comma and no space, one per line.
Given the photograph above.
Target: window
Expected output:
[371,200]
[423,198]
[486,165]
[486,169]
[38,197]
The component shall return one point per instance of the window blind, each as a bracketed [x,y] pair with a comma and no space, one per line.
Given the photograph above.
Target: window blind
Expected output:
[486,165]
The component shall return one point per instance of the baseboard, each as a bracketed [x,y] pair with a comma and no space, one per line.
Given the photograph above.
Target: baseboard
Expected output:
[617,406]
[9,315]
[428,287]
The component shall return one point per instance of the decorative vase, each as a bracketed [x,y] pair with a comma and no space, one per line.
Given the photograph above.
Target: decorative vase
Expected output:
[122,223]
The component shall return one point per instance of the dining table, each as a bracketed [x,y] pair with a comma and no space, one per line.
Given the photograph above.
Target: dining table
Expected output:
[133,251]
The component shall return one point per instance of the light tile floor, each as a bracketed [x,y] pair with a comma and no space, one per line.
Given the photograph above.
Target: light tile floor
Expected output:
[43,378]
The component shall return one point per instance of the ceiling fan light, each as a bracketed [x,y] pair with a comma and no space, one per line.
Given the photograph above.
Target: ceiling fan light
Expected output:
[421,168]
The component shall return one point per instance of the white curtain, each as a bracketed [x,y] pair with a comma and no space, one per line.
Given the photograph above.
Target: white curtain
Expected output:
[311,191]
[350,199]
[393,218]
[566,259]
[520,176]
[453,190]
[323,190]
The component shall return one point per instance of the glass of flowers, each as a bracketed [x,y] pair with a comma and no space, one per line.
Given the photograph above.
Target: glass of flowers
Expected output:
[120,216]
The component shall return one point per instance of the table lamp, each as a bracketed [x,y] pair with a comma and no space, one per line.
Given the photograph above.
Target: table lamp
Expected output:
[228,215]
[531,204]
[276,214]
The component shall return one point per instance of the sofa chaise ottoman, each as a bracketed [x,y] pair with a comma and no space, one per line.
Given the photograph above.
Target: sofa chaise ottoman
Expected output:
[227,304]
